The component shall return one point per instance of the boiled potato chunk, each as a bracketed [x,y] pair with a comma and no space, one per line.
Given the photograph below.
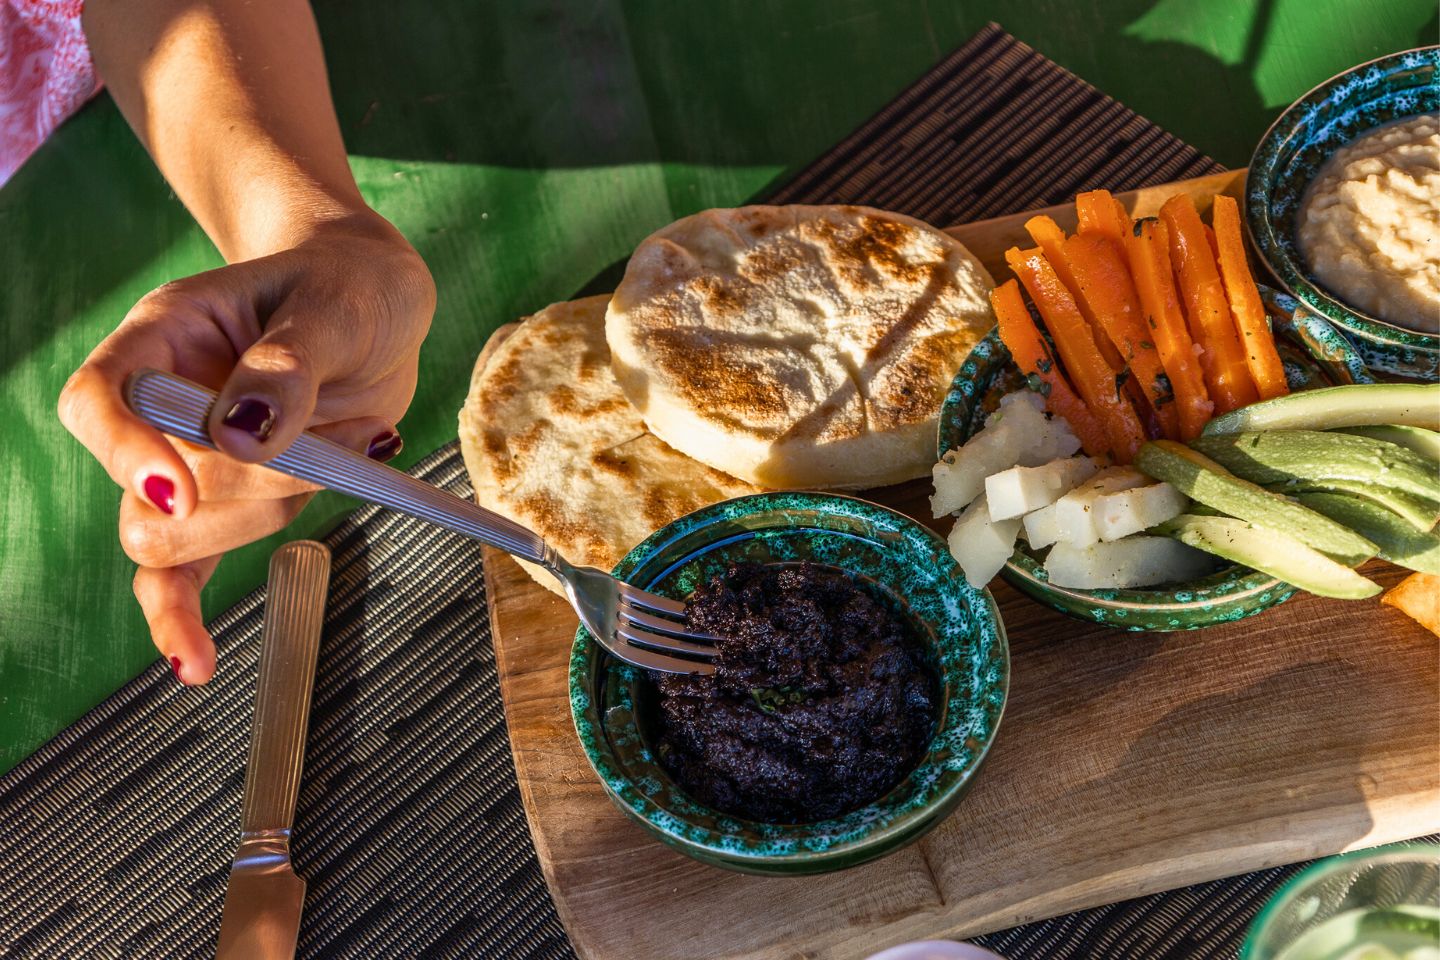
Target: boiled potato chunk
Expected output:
[1136,561]
[1041,527]
[1075,512]
[1020,432]
[1117,515]
[1021,490]
[981,545]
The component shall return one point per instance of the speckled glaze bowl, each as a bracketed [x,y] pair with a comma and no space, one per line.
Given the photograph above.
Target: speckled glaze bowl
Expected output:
[1287,159]
[903,561]
[1315,355]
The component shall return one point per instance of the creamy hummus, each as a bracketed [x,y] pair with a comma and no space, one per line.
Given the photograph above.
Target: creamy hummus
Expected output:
[1369,227]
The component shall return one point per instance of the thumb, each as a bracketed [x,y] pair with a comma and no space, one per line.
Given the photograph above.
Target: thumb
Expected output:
[269,397]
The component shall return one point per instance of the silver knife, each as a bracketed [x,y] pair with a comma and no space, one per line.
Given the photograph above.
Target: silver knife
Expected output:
[261,920]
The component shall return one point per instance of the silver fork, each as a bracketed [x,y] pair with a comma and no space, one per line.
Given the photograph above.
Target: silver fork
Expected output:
[638,627]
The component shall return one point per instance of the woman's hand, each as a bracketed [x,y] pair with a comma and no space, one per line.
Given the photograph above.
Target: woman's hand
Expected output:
[323,335]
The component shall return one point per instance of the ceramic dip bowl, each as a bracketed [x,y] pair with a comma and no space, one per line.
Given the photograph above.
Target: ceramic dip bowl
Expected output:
[1287,159]
[911,568]
[1314,354]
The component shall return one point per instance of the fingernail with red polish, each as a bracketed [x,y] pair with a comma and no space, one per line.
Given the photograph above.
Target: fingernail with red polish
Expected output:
[253,416]
[175,669]
[385,446]
[161,492]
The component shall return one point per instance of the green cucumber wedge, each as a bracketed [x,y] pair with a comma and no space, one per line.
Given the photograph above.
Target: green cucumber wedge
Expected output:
[1314,456]
[1397,537]
[1269,552]
[1422,514]
[1422,441]
[1202,479]
[1329,408]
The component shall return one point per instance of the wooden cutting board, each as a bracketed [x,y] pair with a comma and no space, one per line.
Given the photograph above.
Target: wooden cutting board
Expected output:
[1125,764]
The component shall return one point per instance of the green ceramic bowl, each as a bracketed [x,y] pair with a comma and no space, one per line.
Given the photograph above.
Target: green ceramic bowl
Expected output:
[611,702]
[1292,152]
[1315,355]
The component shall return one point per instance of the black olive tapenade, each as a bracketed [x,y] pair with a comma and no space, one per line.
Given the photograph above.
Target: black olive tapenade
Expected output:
[821,700]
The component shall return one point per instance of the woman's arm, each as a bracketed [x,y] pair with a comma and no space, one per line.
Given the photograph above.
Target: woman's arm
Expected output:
[316,322]
[230,98]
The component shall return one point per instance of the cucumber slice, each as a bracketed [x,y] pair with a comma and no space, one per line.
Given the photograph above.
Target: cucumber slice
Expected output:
[1270,552]
[1397,538]
[1206,481]
[1353,405]
[1422,441]
[1282,456]
[1419,513]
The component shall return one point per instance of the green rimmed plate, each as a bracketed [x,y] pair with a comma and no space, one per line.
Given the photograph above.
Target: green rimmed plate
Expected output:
[1314,354]
[1294,149]
[609,701]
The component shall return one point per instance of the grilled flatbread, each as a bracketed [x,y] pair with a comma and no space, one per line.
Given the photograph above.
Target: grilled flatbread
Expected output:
[551,442]
[798,346]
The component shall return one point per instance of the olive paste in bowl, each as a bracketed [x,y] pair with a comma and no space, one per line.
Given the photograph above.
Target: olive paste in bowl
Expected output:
[859,684]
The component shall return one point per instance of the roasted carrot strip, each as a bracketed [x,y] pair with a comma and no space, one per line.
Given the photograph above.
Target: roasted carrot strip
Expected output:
[1101,213]
[1106,292]
[1261,356]
[1094,380]
[1203,296]
[1051,239]
[1147,250]
[1032,355]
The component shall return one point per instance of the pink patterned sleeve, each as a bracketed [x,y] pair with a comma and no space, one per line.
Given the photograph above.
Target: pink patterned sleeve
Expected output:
[46,74]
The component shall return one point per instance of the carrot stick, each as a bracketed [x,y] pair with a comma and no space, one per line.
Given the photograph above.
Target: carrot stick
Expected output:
[1105,290]
[1032,355]
[1094,380]
[1101,213]
[1203,295]
[1050,239]
[1261,357]
[1147,250]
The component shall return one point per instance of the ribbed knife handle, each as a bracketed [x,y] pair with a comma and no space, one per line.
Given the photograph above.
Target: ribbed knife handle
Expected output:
[294,614]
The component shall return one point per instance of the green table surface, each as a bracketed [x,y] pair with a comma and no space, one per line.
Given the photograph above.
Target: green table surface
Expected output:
[525,148]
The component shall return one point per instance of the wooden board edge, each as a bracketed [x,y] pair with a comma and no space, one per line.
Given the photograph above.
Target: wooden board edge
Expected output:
[992,237]
[490,560]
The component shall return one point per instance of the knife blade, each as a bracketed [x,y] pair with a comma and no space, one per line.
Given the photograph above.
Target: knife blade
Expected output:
[264,898]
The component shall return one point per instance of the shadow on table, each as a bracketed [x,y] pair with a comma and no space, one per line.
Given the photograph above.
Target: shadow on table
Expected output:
[565,84]
[1205,743]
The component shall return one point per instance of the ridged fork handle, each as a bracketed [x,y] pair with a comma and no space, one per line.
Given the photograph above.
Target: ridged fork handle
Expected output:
[182,409]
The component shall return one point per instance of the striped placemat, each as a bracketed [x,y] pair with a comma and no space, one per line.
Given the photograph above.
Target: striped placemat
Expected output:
[410,833]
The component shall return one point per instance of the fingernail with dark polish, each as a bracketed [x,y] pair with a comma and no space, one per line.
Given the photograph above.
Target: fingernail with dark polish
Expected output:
[175,669]
[385,446]
[161,492]
[253,416]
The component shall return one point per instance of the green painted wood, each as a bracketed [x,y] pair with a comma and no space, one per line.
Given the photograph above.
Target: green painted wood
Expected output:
[525,149]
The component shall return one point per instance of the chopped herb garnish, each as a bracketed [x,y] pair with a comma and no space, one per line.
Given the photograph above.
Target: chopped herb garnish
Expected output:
[1166,392]
[1044,365]
[1034,382]
[770,698]
[1121,377]
[1147,345]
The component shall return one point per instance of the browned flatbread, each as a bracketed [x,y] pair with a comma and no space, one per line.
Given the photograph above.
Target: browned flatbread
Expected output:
[798,346]
[551,442]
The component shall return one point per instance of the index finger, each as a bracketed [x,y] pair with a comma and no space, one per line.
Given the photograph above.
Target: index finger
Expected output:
[136,455]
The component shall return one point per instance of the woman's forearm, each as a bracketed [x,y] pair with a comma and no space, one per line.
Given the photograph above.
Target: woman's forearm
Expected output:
[230,98]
